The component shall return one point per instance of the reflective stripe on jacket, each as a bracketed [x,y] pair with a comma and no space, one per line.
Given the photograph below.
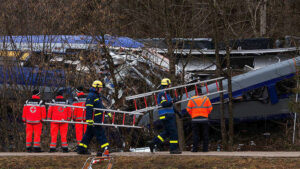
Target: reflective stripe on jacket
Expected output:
[59,112]
[34,111]
[165,100]
[79,113]
[199,107]
[94,100]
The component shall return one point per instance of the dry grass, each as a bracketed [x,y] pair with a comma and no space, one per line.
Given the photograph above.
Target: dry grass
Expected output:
[153,162]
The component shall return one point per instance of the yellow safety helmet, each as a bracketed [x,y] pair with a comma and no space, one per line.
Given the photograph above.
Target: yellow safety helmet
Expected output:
[97,83]
[165,82]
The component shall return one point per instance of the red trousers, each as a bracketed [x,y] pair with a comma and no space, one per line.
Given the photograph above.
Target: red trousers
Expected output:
[36,129]
[79,130]
[63,128]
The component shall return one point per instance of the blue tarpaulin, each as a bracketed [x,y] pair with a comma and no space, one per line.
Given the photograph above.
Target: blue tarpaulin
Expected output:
[113,41]
[32,76]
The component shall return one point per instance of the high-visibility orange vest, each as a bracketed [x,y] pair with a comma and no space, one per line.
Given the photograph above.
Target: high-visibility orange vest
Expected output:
[199,107]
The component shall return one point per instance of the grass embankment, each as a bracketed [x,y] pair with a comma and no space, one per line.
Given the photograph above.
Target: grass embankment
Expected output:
[153,162]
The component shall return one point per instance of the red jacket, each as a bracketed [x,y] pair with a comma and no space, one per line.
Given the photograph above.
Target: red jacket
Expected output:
[59,112]
[34,111]
[79,114]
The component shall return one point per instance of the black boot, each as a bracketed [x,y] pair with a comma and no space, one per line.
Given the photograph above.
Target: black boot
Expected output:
[82,150]
[151,146]
[65,149]
[52,150]
[28,150]
[37,149]
[194,150]
[177,151]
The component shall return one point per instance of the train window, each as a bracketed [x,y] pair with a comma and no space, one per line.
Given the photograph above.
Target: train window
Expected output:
[258,94]
[285,87]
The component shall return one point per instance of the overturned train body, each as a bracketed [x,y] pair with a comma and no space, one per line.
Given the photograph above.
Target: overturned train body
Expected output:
[260,94]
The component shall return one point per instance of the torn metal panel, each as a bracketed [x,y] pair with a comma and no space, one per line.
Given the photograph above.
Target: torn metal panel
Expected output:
[196,64]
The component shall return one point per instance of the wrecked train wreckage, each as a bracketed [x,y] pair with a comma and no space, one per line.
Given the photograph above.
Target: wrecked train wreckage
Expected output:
[264,93]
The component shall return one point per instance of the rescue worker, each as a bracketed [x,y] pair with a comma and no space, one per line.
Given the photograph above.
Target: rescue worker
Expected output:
[199,109]
[79,114]
[34,112]
[93,100]
[168,119]
[59,113]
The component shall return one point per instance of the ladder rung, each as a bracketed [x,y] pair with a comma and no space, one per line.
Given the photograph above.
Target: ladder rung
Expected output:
[96,124]
[81,107]
[157,107]
[171,88]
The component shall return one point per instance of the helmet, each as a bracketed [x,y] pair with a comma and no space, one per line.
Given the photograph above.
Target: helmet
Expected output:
[97,83]
[165,82]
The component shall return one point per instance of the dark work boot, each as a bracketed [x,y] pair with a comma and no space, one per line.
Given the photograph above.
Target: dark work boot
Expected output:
[194,149]
[52,150]
[28,150]
[151,146]
[82,150]
[65,149]
[37,149]
[177,151]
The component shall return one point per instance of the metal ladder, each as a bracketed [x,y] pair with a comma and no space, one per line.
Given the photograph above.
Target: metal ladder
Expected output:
[112,124]
[153,94]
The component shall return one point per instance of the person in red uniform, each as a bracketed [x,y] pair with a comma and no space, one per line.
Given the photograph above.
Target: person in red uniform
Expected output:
[34,112]
[59,113]
[79,114]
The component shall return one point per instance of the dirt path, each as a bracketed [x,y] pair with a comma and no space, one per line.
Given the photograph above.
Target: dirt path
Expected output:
[237,160]
[186,153]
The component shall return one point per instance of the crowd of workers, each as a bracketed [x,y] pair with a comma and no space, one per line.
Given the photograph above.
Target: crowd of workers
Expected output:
[34,112]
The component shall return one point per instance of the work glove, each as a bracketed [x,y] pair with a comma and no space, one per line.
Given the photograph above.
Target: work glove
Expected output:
[109,115]
[90,122]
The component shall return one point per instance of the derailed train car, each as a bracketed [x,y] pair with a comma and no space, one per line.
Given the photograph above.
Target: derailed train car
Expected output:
[260,94]
[28,78]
